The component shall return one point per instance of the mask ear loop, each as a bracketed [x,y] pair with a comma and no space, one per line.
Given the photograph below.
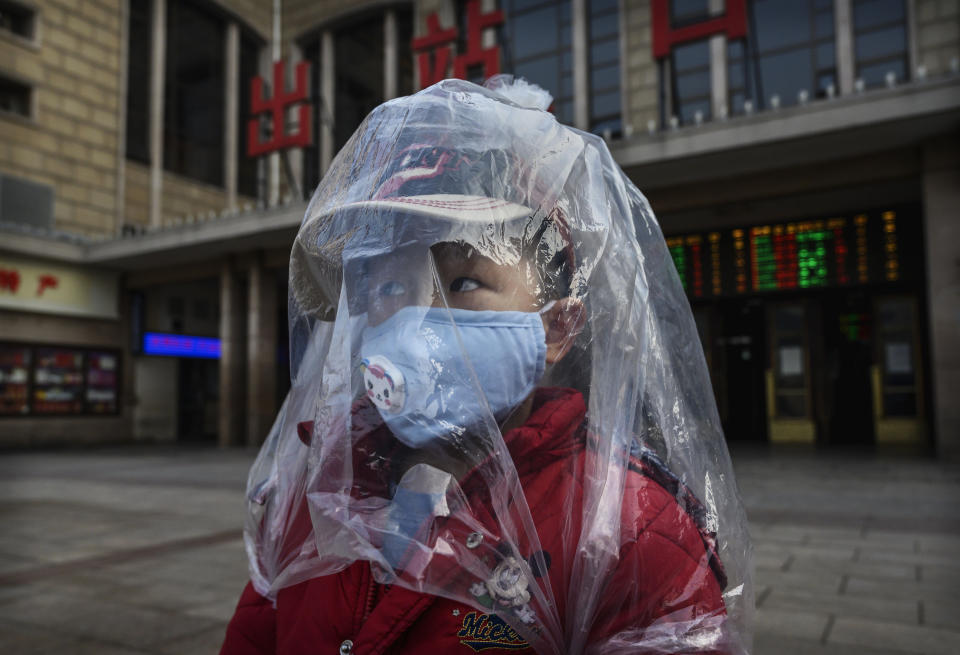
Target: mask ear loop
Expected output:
[546,308]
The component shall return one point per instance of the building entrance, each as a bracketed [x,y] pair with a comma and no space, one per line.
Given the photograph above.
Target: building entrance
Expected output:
[843,367]
[741,354]
[847,360]
[198,402]
[810,327]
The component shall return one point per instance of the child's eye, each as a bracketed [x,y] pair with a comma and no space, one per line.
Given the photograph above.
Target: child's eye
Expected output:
[462,284]
[392,288]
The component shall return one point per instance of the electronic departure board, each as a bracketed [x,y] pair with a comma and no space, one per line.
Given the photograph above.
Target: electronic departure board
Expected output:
[867,248]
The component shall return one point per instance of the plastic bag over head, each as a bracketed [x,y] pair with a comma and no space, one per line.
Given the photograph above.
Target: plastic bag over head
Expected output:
[498,393]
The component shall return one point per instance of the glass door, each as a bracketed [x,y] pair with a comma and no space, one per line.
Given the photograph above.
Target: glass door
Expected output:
[788,378]
[898,378]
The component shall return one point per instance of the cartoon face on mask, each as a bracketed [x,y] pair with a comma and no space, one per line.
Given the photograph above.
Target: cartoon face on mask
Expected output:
[384,383]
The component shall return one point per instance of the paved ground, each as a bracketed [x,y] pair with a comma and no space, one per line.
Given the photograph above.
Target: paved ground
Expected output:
[117,552]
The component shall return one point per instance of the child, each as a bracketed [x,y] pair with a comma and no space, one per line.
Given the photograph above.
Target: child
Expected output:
[500,434]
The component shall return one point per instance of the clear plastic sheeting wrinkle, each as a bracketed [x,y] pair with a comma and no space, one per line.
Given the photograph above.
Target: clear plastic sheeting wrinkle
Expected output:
[498,393]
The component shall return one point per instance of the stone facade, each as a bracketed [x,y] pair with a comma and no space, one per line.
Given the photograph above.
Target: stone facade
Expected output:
[640,95]
[256,15]
[136,210]
[301,17]
[70,142]
[72,139]
[183,198]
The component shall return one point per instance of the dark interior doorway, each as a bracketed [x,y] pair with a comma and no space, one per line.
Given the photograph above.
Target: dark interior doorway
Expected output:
[848,358]
[199,392]
[743,354]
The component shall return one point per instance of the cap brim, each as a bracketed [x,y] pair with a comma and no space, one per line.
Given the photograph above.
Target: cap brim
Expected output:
[451,207]
[306,263]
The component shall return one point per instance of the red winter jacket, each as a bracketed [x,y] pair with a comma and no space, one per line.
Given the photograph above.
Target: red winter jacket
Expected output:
[667,570]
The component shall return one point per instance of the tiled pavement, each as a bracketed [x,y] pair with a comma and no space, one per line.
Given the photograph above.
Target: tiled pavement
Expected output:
[854,553]
[117,552]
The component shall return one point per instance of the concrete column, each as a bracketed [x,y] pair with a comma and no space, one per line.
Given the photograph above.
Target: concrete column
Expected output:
[121,189]
[231,112]
[390,54]
[718,66]
[666,92]
[941,197]
[581,65]
[490,34]
[261,352]
[264,180]
[232,358]
[327,98]
[295,155]
[913,36]
[843,27]
[158,54]
[626,118]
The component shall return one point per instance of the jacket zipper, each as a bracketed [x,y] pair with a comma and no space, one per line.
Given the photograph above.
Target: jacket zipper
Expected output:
[371,597]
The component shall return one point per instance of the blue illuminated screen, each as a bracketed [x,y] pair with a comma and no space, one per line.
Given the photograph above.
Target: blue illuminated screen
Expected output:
[179,345]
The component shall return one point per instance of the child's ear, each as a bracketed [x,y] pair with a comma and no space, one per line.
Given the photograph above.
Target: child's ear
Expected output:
[562,322]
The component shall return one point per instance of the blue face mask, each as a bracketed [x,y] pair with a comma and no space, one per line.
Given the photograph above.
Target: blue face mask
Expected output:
[415,368]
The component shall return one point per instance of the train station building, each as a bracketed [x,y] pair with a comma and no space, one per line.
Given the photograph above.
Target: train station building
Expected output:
[801,156]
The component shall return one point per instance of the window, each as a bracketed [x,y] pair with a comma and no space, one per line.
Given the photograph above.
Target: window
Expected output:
[15,97]
[318,114]
[194,87]
[359,80]
[790,365]
[604,38]
[690,73]
[900,380]
[688,12]
[25,201]
[404,54]
[880,40]
[536,44]
[790,48]
[358,87]
[138,81]
[194,93]
[17,19]
[246,166]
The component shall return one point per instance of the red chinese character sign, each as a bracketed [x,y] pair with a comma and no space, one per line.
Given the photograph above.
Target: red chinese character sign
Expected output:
[276,107]
[45,282]
[9,280]
[433,49]
[733,23]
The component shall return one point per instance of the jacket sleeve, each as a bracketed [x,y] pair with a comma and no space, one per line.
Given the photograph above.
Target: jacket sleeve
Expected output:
[663,596]
[253,628]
